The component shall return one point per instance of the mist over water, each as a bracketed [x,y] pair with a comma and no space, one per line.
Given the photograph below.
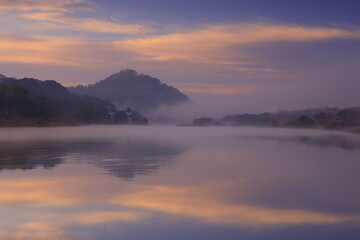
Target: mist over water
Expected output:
[167,182]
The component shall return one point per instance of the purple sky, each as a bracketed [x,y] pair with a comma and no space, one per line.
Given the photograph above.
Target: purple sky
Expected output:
[228,56]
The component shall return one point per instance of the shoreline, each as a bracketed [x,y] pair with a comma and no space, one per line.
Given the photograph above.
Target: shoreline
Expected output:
[43,123]
[73,123]
[37,123]
[352,130]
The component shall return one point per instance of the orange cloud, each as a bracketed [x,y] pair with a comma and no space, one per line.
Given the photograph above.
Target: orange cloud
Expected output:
[210,46]
[46,5]
[64,51]
[26,235]
[214,44]
[62,21]
[220,89]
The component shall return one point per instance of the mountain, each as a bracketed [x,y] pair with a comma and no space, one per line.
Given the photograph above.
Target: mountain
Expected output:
[29,98]
[128,88]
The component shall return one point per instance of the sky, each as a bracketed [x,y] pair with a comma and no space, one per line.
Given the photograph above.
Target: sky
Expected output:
[228,56]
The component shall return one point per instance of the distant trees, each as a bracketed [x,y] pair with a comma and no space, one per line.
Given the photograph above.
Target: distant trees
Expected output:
[3,99]
[263,119]
[331,118]
[88,113]
[349,116]
[205,121]
[324,118]
[13,101]
[45,107]
[304,121]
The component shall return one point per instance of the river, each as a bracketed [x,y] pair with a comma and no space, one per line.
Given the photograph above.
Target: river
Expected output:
[167,182]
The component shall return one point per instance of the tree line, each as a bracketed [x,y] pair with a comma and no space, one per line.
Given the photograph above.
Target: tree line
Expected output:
[330,118]
[15,103]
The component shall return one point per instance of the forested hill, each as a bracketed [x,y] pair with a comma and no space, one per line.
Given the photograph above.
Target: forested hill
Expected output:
[48,101]
[35,87]
[128,88]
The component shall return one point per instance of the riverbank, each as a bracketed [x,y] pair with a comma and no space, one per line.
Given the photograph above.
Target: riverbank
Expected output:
[352,129]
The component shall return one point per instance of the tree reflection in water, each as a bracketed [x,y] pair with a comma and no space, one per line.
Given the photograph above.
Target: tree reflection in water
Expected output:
[124,159]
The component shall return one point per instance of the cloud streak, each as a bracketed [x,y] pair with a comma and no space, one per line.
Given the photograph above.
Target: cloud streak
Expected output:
[232,48]
[218,89]
[60,51]
[57,20]
[46,5]
[222,44]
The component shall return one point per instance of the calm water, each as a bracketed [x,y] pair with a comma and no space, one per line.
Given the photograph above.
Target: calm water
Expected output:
[166,182]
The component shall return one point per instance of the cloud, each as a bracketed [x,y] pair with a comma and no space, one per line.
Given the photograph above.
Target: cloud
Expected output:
[46,5]
[57,20]
[210,50]
[226,45]
[218,89]
[53,15]
[63,51]
[27,235]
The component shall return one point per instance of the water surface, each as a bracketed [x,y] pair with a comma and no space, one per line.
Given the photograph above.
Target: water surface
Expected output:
[166,182]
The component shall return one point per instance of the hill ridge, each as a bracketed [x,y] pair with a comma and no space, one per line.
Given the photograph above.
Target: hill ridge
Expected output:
[129,88]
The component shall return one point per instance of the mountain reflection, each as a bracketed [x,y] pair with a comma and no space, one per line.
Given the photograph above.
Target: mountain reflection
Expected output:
[124,159]
[27,156]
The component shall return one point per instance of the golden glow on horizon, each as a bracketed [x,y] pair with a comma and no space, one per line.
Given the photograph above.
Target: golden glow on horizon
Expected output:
[216,88]
[224,90]
[220,91]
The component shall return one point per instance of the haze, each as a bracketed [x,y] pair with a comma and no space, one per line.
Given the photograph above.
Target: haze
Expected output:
[228,56]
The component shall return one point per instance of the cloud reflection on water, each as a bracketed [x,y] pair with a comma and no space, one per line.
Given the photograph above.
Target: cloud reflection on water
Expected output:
[221,177]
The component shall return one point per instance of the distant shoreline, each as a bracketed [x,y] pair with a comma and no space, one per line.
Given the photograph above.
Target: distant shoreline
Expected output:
[37,123]
[353,130]
[44,123]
